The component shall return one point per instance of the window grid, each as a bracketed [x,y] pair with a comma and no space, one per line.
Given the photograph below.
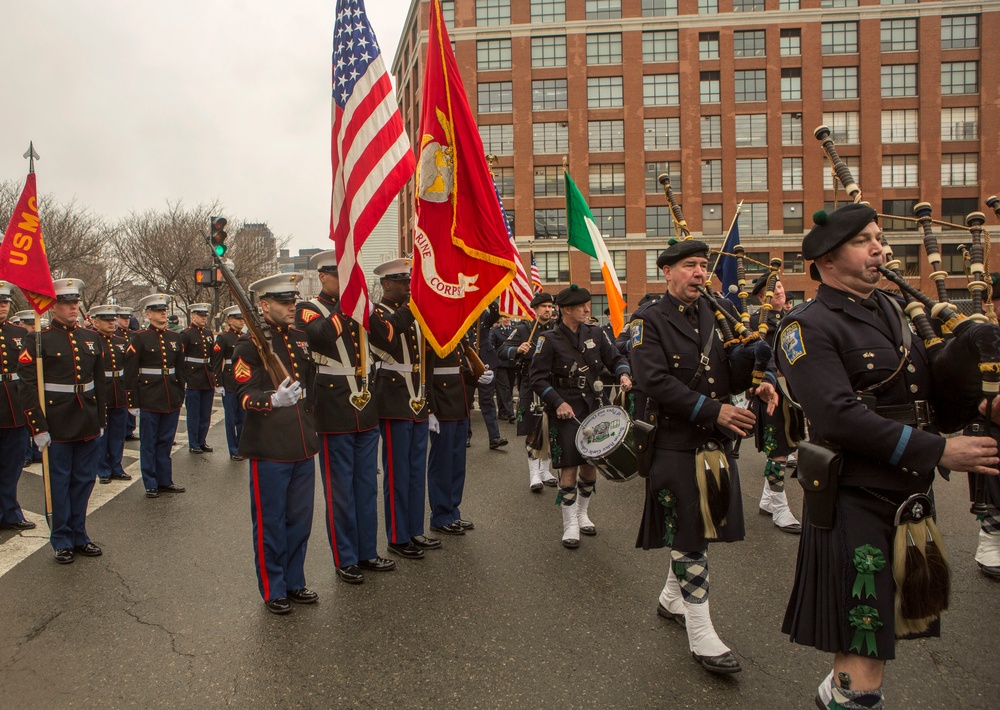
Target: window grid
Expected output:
[791,217]
[711,176]
[791,42]
[748,43]
[553,266]
[659,221]
[619,257]
[791,84]
[709,87]
[492,12]
[498,138]
[788,4]
[791,129]
[604,9]
[496,97]
[791,173]
[960,124]
[904,208]
[659,8]
[753,216]
[549,94]
[899,35]
[605,136]
[548,10]
[899,126]
[955,209]
[660,89]
[607,179]
[653,273]
[492,54]
[550,138]
[604,48]
[751,85]
[840,37]
[853,162]
[838,3]
[845,126]
[659,46]
[959,32]
[840,82]
[899,80]
[711,131]
[604,92]
[899,170]
[711,219]
[549,181]
[551,224]
[959,169]
[504,179]
[751,174]
[661,133]
[611,222]
[751,129]
[748,5]
[655,169]
[708,7]
[959,78]
[548,51]
[708,45]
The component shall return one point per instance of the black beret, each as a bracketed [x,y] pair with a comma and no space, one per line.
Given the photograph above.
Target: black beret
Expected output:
[681,250]
[831,230]
[572,296]
[647,298]
[540,298]
[607,311]
[759,284]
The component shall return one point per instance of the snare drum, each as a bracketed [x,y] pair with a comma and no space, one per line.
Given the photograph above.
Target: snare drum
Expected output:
[604,439]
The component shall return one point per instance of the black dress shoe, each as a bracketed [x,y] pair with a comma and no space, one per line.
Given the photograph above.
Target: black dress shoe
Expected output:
[724,664]
[65,556]
[990,571]
[131,437]
[303,596]
[236,457]
[466,524]
[121,477]
[468,443]
[378,564]
[104,479]
[450,529]
[172,488]
[498,442]
[20,525]
[88,550]
[425,543]
[409,551]
[667,614]
[278,606]
[152,493]
[206,449]
[195,449]
[351,575]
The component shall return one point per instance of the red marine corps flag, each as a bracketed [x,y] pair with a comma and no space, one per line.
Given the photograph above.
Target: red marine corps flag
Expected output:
[22,254]
[463,258]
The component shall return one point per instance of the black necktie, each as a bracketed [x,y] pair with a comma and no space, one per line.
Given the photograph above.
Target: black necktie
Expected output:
[871,303]
[691,313]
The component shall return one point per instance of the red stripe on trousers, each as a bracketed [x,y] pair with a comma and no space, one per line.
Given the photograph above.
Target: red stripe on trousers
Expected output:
[392,480]
[329,500]
[260,532]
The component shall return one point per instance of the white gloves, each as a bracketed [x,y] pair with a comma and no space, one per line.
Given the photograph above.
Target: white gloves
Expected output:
[287,395]
[42,440]
[100,433]
[134,412]
[487,377]
[433,424]
[220,391]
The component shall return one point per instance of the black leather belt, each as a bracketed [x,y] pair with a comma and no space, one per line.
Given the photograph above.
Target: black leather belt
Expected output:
[916,414]
[577,383]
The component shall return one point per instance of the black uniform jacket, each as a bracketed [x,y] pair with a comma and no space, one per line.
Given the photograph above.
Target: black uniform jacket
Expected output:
[774,322]
[395,331]
[116,394]
[831,348]
[153,370]
[11,344]
[275,433]
[448,378]
[73,361]
[329,331]
[520,334]
[480,335]
[554,362]
[498,336]
[196,368]
[222,358]
[665,353]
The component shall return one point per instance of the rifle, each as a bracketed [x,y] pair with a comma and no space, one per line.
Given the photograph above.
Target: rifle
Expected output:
[259,331]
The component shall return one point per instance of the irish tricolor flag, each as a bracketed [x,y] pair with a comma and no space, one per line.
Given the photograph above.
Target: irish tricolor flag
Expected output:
[585,236]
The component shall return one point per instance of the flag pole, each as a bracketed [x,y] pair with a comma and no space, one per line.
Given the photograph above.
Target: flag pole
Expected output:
[739,208]
[569,248]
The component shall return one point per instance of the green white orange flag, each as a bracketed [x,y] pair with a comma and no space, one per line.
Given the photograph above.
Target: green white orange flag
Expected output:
[585,236]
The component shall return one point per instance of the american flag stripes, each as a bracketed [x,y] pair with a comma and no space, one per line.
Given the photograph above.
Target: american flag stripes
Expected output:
[536,277]
[515,301]
[371,154]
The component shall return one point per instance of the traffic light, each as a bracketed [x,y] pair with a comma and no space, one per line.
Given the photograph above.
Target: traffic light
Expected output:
[219,234]
[204,277]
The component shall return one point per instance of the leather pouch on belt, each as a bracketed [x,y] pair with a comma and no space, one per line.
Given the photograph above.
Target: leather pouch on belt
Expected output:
[644,435]
[818,472]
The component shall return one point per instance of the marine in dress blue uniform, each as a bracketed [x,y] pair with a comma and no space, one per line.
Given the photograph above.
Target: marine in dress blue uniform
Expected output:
[111,445]
[153,377]
[13,434]
[198,341]
[397,345]
[127,324]
[27,320]
[222,366]
[73,416]
[279,438]
[347,423]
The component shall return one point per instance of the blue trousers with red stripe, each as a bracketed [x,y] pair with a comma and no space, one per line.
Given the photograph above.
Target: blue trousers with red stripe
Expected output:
[446,472]
[281,508]
[12,444]
[156,439]
[72,474]
[349,464]
[199,413]
[404,457]
[111,445]
[235,414]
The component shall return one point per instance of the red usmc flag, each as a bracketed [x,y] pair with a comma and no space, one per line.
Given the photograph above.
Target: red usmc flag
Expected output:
[22,254]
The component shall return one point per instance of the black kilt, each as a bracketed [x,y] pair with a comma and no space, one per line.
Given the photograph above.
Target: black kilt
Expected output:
[818,612]
[992,489]
[674,471]
[562,432]
[784,415]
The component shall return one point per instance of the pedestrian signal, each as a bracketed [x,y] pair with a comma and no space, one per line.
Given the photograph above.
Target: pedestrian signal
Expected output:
[204,277]
[219,234]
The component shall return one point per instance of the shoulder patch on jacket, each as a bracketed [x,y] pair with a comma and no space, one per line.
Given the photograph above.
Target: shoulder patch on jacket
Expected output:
[635,332]
[309,315]
[25,357]
[541,342]
[792,343]
[241,370]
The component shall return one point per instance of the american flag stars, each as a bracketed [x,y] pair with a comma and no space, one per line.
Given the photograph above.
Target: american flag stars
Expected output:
[355,49]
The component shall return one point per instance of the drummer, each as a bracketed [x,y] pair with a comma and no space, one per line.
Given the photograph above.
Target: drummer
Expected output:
[564,373]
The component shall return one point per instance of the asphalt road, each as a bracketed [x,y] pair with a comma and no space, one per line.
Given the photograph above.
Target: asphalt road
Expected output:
[502,617]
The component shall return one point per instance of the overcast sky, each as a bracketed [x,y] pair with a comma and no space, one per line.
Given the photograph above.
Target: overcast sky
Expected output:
[132,103]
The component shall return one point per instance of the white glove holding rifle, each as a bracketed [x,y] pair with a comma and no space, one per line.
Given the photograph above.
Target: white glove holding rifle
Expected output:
[42,440]
[287,394]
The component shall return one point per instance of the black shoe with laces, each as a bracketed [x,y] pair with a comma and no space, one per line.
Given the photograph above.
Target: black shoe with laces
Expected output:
[425,543]
[303,596]
[65,556]
[452,528]
[377,564]
[278,606]
[350,574]
[88,550]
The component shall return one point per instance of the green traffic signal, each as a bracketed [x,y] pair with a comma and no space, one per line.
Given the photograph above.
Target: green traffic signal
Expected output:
[218,234]
[220,249]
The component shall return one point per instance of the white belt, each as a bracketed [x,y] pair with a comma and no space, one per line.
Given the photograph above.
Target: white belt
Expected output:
[9,376]
[197,360]
[395,366]
[85,387]
[156,370]
[335,370]
[114,373]
[446,370]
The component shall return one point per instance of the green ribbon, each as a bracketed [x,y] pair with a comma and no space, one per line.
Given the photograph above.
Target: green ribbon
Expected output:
[866,622]
[669,531]
[669,503]
[867,561]
[680,569]
[770,439]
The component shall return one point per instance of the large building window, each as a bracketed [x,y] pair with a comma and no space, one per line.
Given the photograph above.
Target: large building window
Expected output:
[611,222]
[618,261]
[853,163]
[748,43]
[553,266]
[959,169]
[548,51]
[492,54]
[955,209]
[492,12]
[751,174]
[791,129]
[791,42]
[960,124]
[753,219]
[604,92]
[711,131]
[550,224]
[711,176]
[498,138]
[659,221]
[548,11]
[751,85]
[653,171]
[748,5]
[791,214]
[788,4]
[845,126]
[959,32]
[604,9]
[604,48]
[548,94]
[708,7]
[708,87]
[899,80]
[902,208]
[549,181]
[708,45]
[550,137]
[792,263]
[653,273]
[838,3]
[900,170]
[840,82]
[496,97]
[791,173]
[751,129]
[661,133]
[448,12]
[899,126]
[791,84]
[840,37]
[659,8]
[899,35]
[660,89]
[504,179]
[659,46]
[960,77]
[607,179]
[711,219]
[606,136]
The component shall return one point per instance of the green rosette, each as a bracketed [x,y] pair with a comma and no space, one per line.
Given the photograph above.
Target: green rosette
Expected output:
[865,621]
[680,569]
[867,561]
[554,443]
[669,503]
[770,439]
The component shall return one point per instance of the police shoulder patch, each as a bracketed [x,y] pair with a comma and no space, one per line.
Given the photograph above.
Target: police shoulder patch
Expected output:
[636,330]
[541,342]
[241,370]
[792,343]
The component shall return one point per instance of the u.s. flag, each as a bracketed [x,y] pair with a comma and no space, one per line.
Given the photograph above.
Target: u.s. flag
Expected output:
[536,277]
[371,154]
[515,301]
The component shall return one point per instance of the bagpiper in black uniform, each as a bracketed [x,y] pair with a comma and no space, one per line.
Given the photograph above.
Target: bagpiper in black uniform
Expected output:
[153,379]
[347,422]
[693,489]
[13,434]
[127,325]
[111,445]
[198,340]
[74,416]
[279,438]
[776,435]
[864,383]
[222,368]
[519,349]
[564,371]
[988,550]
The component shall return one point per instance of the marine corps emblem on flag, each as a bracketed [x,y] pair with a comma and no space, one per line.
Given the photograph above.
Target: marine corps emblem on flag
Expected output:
[242,371]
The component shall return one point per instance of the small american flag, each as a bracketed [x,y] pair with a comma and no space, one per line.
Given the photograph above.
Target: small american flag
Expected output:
[536,277]
[515,301]
[371,154]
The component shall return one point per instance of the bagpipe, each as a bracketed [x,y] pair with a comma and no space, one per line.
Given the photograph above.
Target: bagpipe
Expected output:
[747,351]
